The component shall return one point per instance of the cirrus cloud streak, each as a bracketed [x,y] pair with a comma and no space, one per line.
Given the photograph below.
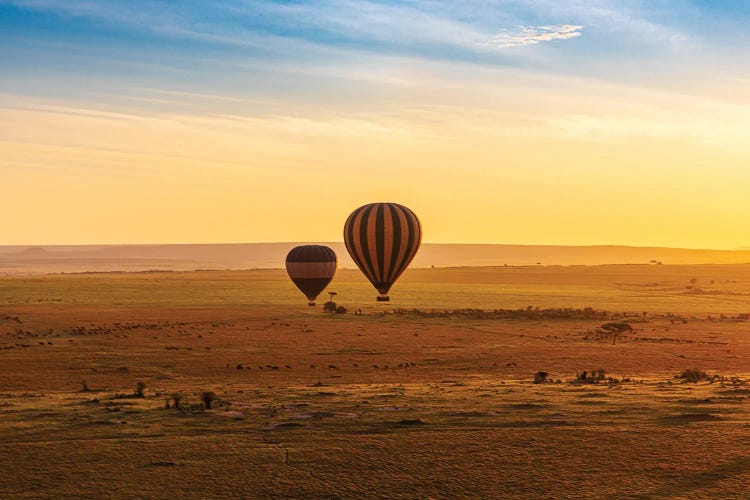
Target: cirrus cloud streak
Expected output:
[532,35]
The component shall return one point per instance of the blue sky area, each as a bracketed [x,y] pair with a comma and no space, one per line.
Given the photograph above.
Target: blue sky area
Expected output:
[195,45]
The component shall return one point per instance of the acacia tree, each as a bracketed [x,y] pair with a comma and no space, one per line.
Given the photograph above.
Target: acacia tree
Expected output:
[616,329]
[330,306]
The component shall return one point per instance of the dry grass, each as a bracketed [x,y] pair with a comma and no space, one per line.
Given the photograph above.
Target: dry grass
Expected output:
[373,405]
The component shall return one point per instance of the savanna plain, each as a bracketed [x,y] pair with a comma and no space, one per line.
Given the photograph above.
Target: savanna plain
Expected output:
[469,383]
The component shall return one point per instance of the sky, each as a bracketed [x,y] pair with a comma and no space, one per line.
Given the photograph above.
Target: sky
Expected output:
[569,122]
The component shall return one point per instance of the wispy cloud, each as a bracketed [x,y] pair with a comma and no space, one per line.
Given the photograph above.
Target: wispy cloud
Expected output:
[532,35]
[424,28]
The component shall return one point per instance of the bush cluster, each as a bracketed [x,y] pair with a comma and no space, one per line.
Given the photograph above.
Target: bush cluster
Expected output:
[693,376]
[529,312]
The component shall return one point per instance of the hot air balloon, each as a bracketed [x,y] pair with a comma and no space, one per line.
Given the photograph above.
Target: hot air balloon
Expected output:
[311,268]
[382,239]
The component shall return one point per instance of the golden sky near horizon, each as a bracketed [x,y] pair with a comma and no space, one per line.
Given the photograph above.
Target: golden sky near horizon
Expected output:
[483,153]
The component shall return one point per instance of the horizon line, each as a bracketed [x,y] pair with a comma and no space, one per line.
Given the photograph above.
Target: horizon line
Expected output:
[590,245]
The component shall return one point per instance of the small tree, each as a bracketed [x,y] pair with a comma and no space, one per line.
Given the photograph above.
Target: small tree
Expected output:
[176,398]
[330,306]
[139,388]
[616,329]
[208,397]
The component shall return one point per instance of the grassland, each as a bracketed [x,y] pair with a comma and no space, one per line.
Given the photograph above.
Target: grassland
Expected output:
[375,405]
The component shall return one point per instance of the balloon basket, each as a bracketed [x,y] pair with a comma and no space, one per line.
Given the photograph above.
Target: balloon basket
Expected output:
[311,304]
[384,298]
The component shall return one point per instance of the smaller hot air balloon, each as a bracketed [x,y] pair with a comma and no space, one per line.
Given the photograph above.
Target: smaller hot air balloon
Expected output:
[311,268]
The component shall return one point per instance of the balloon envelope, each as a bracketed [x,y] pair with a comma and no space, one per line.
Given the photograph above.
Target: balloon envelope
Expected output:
[311,268]
[382,239]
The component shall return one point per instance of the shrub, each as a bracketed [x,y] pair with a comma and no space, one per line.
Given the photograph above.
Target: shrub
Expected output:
[176,399]
[541,377]
[341,310]
[693,376]
[329,306]
[139,388]
[208,397]
[593,377]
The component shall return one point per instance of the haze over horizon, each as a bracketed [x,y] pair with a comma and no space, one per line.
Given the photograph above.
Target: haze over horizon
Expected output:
[534,122]
[15,260]
[29,246]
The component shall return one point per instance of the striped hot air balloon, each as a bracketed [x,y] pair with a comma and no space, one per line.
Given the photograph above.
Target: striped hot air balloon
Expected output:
[382,238]
[311,268]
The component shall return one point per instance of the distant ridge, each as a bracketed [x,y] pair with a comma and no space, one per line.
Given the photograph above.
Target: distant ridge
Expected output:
[32,253]
[81,258]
